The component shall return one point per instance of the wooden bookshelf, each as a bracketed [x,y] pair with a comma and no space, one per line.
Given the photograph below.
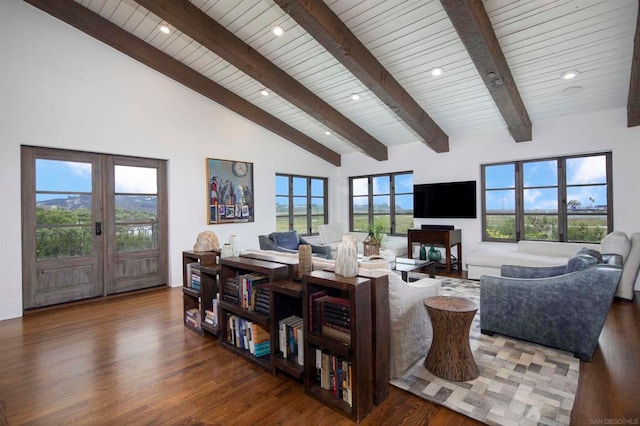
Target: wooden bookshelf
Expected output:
[355,398]
[232,267]
[200,299]
[286,300]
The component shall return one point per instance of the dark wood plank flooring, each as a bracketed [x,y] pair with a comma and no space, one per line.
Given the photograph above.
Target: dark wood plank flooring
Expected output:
[129,360]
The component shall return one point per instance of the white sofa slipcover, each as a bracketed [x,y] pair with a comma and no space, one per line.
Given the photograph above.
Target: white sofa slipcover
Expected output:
[331,235]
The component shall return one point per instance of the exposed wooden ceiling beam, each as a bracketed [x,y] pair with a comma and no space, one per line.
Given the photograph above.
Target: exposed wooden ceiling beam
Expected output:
[472,24]
[199,26]
[633,103]
[325,26]
[94,25]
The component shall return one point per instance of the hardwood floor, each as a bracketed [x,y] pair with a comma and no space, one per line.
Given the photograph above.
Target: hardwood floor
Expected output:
[129,360]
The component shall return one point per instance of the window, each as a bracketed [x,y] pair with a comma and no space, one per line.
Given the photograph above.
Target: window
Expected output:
[301,203]
[382,199]
[553,199]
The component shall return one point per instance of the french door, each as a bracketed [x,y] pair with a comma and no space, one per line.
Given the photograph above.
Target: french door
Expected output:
[92,225]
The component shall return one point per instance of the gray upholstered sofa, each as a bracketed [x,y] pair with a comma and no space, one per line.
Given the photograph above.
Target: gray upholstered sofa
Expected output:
[564,307]
[288,242]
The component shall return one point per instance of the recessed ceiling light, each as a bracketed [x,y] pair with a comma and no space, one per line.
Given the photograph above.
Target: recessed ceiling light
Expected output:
[277,30]
[164,29]
[572,91]
[568,75]
[436,72]
[327,132]
[355,96]
[264,92]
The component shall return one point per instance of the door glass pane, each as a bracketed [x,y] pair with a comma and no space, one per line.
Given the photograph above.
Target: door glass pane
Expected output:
[136,208]
[586,170]
[63,206]
[136,180]
[63,176]
[63,209]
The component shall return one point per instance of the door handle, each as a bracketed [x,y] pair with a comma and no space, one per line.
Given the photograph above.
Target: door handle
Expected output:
[98,228]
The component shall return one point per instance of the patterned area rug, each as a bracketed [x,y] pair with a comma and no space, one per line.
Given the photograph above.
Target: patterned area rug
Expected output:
[520,383]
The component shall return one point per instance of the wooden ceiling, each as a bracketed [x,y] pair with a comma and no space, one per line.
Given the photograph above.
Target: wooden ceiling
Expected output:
[502,62]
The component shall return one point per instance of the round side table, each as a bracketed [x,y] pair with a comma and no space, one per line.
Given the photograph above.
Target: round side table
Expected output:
[450,355]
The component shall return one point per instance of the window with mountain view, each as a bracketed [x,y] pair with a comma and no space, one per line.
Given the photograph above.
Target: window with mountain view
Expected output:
[552,199]
[301,203]
[384,201]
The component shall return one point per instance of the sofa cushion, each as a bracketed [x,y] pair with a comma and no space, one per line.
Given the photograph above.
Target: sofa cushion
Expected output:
[553,248]
[585,251]
[630,270]
[616,242]
[288,239]
[330,233]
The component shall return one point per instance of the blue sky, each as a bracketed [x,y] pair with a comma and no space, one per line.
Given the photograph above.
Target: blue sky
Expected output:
[74,177]
[585,177]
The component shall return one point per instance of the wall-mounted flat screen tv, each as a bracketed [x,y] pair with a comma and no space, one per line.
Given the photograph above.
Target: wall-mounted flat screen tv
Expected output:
[455,200]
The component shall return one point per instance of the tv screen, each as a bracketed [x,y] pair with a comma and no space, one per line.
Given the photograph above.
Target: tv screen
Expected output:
[445,200]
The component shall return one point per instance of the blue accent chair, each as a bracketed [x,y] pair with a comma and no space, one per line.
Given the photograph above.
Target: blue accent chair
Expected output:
[563,307]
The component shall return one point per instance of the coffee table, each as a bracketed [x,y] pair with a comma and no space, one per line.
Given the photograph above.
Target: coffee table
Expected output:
[414,264]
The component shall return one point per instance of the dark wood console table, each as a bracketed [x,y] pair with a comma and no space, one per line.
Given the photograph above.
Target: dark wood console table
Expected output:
[442,238]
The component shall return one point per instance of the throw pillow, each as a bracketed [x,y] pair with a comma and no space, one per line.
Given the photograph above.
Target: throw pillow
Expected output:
[616,242]
[288,240]
[578,262]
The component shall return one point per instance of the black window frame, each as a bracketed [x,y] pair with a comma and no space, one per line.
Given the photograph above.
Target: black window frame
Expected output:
[562,185]
[392,194]
[309,213]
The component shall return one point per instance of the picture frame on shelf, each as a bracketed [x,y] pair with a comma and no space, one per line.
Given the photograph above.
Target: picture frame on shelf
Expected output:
[230,194]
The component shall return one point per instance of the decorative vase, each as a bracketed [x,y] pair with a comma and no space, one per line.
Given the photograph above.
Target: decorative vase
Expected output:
[423,252]
[227,250]
[347,257]
[235,248]
[434,254]
[304,260]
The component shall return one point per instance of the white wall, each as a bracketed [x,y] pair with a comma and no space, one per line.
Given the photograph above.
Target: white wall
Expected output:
[60,88]
[585,133]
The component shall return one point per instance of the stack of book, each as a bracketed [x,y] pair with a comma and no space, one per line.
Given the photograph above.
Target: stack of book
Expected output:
[334,374]
[193,275]
[291,339]
[262,300]
[247,335]
[250,285]
[192,317]
[211,316]
[231,290]
[330,316]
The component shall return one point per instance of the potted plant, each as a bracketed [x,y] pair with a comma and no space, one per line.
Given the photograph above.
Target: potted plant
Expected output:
[371,244]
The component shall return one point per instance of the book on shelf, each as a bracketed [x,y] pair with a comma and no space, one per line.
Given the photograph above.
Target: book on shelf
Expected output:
[312,308]
[334,374]
[291,339]
[192,267]
[334,333]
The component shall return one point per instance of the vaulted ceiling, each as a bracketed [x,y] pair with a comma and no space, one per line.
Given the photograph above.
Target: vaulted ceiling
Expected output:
[502,62]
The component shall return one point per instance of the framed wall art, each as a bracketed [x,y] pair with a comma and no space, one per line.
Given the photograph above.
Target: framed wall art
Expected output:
[229,191]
